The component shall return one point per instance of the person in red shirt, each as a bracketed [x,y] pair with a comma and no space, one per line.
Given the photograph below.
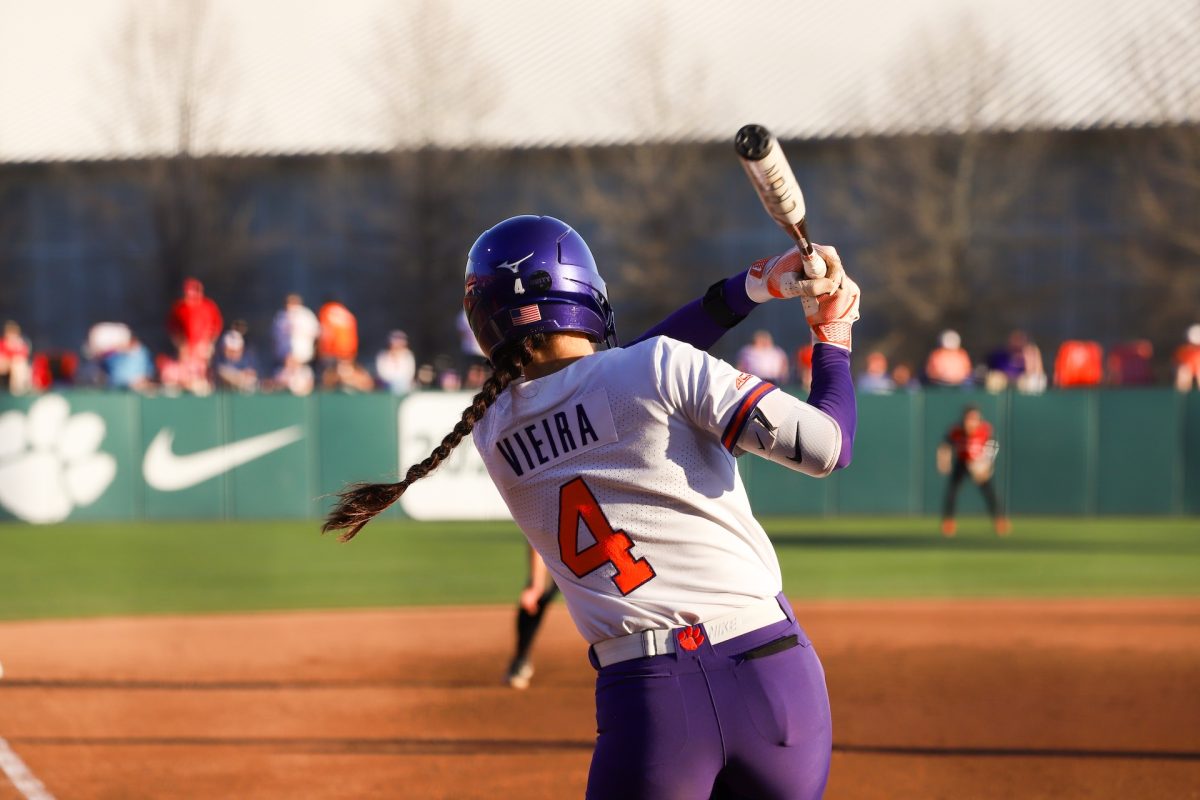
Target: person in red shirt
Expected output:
[15,372]
[194,324]
[970,449]
[338,340]
[1187,361]
[337,348]
[1078,363]
[949,364]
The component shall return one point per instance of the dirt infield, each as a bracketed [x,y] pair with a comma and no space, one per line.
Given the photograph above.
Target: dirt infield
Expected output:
[954,700]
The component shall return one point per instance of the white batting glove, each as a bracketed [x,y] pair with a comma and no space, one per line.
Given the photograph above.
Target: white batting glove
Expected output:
[830,307]
[783,276]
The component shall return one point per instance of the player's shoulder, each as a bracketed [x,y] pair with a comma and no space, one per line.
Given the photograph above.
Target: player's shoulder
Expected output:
[656,350]
[658,347]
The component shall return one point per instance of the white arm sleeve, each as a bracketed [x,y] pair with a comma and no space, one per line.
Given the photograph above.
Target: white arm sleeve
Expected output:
[792,433]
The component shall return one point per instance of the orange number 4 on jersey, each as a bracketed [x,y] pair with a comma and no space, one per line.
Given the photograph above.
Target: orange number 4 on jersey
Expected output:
[576,502]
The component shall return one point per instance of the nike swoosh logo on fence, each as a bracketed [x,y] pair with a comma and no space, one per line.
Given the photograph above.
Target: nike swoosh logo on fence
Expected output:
[168,472]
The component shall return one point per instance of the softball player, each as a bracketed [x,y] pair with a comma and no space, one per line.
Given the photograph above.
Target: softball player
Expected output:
[970,449]
[619,466]
[698,324]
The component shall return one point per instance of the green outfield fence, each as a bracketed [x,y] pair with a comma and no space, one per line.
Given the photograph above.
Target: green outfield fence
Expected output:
[1131,451]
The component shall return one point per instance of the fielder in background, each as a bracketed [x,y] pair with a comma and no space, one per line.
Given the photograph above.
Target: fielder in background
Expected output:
[970,449]
[619,465]
[540,590]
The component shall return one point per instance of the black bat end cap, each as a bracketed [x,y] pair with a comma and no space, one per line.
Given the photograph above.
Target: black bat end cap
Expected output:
[752,142]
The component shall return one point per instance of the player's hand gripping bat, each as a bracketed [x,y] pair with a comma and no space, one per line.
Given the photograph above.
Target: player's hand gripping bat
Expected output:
[773,179]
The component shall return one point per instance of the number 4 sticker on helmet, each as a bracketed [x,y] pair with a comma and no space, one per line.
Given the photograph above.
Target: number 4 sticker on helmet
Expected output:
[576,502]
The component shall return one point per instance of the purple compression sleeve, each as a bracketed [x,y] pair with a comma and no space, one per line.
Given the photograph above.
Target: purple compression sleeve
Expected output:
[693,325]
[833,392]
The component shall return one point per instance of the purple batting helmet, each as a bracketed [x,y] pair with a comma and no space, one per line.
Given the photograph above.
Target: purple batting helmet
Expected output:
[533,274]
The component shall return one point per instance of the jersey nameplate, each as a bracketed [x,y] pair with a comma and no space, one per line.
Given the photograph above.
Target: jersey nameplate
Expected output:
[572,428]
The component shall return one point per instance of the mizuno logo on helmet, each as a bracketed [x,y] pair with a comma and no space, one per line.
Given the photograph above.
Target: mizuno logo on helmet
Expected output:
[514,265]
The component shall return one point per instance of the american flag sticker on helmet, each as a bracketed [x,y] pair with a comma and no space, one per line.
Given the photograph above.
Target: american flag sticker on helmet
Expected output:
[525,315]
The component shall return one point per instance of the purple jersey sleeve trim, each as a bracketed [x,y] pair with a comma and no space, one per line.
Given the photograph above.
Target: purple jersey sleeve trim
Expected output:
[741,414]
[693,325]
[833,392]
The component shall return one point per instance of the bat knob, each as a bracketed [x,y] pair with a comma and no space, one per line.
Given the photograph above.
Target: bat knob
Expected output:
[753,142]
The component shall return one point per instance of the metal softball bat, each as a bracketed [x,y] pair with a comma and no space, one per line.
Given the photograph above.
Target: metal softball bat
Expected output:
[773,180]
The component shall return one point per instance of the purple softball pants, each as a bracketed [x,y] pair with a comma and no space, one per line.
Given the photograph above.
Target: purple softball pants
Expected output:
[713,723]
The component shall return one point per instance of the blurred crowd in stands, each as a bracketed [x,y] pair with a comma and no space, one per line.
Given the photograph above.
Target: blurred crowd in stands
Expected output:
[309,351]
[304,351]
[1016,365]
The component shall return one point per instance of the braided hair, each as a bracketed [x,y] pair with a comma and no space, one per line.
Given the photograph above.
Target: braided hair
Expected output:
[359,503]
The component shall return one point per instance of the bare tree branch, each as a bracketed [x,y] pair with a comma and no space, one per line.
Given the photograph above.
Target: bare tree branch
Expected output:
[923,203]
[653,200]
[165,90]
[1166,175]
[431,93]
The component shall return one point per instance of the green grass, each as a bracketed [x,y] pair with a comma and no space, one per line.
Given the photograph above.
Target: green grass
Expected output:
[77,570]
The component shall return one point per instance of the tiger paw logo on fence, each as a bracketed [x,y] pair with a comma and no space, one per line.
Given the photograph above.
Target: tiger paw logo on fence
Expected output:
[51,461]
[691,637]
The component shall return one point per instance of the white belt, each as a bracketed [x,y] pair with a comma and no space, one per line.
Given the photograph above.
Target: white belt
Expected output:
[662,640]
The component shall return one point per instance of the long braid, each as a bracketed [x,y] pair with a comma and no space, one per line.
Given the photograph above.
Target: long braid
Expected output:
[359,503]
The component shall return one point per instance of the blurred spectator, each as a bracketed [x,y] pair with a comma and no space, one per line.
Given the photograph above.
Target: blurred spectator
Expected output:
[1078,363]
[337,349]
[294,376]
[875,380]
[948,364]
[130,367]
[236,364]
[804,355]
[106,337]
[295,329]
[477,375]
[1129,364]
[194,324]
[426,375]
[55,368]
[15,372]
[339,332]
[103,339]
[903,378]
[1187,361]
[764,359]
[1019,366]
[446,377]
[190,375]
[396,366]
[347,375]
[338,339]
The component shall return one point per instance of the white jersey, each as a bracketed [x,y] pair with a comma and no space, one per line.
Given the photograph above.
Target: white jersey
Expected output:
[620,470]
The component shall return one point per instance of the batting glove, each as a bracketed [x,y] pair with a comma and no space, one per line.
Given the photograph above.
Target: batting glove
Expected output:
[783,276]
[831,303]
